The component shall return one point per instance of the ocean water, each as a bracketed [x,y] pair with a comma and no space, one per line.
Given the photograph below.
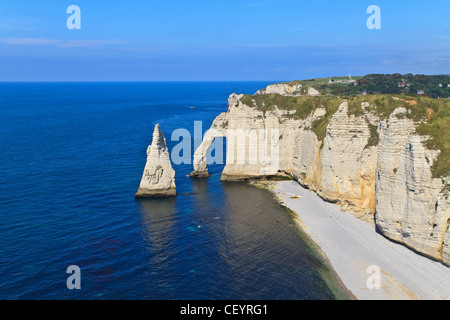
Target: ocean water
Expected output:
[72,156]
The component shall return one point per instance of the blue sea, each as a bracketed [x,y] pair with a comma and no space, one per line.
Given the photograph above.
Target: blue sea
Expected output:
[72,156]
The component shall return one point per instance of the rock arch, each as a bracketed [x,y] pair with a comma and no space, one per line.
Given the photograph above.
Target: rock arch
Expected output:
[200,155]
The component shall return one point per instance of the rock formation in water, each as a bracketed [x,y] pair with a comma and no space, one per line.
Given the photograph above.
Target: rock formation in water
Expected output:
[366,154]
[158,179]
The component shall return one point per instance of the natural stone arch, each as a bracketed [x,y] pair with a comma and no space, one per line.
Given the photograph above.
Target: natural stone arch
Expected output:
[200,155]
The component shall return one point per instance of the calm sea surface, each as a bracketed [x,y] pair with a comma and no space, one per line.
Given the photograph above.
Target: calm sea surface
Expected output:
[71,159]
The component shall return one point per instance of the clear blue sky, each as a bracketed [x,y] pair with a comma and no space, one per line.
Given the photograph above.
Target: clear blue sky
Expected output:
[220,39]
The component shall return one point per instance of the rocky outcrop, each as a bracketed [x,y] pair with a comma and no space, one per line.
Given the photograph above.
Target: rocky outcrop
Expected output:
[285,89]
[364,163]
[290,89]
[158,179]
[254,147]
[411,206]
[313,92]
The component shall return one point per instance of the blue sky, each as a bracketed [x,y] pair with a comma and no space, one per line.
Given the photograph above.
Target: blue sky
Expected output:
[146,40]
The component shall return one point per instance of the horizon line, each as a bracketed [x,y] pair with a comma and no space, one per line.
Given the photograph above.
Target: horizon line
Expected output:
[112,81]
[250,80]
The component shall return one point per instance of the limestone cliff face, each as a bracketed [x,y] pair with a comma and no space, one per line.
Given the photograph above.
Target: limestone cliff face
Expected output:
[158,179]
[363,163]
[412,207]
[347,163]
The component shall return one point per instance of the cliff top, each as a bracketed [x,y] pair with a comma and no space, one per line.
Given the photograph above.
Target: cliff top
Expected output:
[431,115]
[429,85]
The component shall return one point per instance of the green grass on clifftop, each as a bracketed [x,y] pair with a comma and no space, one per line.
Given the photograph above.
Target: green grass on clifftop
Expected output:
[433,86]
[432,114]
[302,105]
[438,128]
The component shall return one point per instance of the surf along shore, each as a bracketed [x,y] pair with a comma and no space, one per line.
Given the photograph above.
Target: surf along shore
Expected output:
[354,248]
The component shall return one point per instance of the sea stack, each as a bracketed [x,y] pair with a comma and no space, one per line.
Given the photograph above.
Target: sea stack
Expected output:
[158,179]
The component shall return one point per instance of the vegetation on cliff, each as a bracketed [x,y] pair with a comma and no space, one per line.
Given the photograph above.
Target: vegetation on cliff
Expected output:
[437,127]
[302,105]
[432,116]
[433,86]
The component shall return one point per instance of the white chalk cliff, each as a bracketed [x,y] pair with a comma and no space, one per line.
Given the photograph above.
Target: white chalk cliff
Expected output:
[289,89]
[412,207]
[158,179]
[379,168]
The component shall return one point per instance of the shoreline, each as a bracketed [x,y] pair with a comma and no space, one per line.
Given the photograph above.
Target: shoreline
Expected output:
[351,245]
[342,292]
